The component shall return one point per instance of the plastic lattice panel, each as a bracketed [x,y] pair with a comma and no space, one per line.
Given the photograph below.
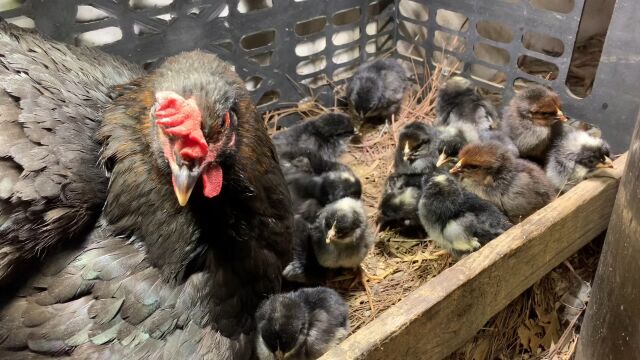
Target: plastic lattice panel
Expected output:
[285,50]
[498,45]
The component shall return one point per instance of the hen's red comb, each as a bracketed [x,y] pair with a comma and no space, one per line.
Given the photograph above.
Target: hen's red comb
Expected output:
[181,118]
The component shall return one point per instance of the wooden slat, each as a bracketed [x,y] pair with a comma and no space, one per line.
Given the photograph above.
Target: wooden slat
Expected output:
[441,315]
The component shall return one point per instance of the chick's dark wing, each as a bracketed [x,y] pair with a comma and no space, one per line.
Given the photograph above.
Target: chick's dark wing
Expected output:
[51,99]
[484,221]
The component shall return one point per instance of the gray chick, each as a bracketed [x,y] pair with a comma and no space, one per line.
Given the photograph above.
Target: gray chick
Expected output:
[417,149]
[398,208]
[517,187]
[456,219]
[533,120]
[326,134]
[377,89]
[576,156]
[300,325]
[458,102]
[340,236]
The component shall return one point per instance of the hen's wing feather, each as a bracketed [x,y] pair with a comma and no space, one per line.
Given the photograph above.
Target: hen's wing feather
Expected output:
[127,314]
[51,100]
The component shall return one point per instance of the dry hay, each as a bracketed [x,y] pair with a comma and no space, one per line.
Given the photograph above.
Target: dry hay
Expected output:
[397,265]
[533,326]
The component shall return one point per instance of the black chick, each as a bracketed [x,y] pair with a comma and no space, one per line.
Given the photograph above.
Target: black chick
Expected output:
[304,267]
[457,219]
[416,151]
[301,325]
[326,134]
[533,120]
[576,156]
[377,89]
[340,237]
[398,208]
[452,139]
[458,102]
[309,176]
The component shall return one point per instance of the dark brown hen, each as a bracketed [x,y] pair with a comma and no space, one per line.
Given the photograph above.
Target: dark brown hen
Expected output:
[51,101]
[167,278]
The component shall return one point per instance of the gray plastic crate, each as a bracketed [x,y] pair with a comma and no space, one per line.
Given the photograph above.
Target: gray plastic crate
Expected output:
[269,45]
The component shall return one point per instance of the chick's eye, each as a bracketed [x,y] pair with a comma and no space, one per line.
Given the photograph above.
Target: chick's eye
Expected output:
[472,167]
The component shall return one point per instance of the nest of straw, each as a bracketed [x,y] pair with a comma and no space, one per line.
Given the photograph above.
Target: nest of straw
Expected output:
[397,265]
[531,327]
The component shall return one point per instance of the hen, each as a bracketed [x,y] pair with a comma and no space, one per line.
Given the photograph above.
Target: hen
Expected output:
[166,278]
[51,101]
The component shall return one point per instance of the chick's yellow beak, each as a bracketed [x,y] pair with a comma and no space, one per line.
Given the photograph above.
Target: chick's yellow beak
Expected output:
[560,115]
[607,163]
[442,159]
[457,168]
[331,234]
[406,152]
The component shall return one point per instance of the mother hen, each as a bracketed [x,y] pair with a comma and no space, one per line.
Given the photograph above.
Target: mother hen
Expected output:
[160,278]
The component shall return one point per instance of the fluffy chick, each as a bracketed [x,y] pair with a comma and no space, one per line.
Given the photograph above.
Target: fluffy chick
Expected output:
[304,267]
[340,236]
[300,325]
[574,157]
[377,89]
[454,137]
[458,102]
[416,151]
[310,176]
[326,134]
[517,187]
[398,208]
[457,219]
[533,119]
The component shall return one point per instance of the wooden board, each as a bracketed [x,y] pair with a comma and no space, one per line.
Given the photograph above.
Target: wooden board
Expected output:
[610,329]
[441,315]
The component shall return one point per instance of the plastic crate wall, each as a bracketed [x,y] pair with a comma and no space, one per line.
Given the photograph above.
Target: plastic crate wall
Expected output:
[278,46]
[288,50]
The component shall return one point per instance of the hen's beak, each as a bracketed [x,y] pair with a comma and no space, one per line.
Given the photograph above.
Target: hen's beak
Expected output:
[442,159]
[607,163]
[184,180]
[406,152]
[560,115]
[457,168]
[331,234]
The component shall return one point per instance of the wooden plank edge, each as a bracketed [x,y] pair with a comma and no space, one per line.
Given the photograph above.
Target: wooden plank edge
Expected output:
[438,317]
